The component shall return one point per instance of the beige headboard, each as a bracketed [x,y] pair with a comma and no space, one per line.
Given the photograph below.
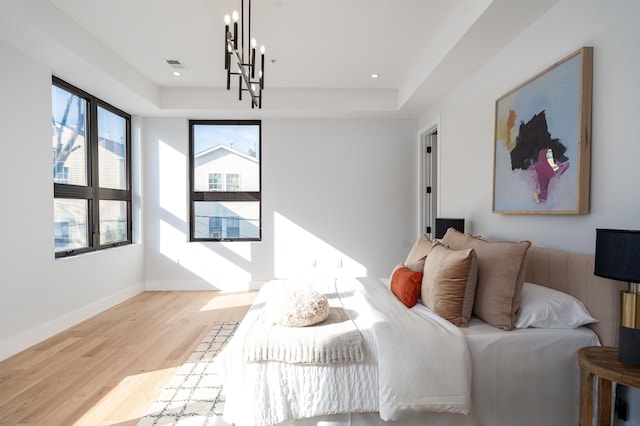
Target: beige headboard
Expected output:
[573,273]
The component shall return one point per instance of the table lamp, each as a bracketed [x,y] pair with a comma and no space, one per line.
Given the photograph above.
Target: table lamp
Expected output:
[442,224]
[618,258]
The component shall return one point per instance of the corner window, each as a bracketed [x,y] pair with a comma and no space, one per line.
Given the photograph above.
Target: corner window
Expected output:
[224,166]
[91,172]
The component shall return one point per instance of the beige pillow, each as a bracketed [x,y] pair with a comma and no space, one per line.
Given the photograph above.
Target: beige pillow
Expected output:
[299,307]
[449,283]
[418,254]
[454,239]
[501,271]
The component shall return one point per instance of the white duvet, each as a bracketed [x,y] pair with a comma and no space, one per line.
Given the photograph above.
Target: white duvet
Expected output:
[414,360]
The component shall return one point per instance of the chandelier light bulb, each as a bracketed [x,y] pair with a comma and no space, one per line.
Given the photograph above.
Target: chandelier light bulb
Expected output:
[254,43]
[235,15]
[262,49]
[227,19]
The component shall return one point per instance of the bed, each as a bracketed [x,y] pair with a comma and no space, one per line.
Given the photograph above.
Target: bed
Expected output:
[491,376]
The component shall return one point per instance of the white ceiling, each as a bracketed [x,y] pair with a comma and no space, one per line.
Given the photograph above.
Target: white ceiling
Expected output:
[322,44]
[320,53]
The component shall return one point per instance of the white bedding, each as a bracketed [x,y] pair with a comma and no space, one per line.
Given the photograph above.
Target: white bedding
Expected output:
[526,377]
[414,360]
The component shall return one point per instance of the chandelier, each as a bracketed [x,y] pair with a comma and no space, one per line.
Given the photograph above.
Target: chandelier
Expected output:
[245,64]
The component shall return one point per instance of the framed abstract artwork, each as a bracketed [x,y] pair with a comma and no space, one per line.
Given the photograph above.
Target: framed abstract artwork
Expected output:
[543,141]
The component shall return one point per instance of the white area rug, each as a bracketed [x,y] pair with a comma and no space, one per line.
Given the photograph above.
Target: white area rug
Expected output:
[194,396]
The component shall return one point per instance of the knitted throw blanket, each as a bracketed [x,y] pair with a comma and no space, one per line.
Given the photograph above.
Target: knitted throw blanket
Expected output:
[335,340]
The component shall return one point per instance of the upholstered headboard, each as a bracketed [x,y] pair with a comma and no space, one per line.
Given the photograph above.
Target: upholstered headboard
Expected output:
[572,273]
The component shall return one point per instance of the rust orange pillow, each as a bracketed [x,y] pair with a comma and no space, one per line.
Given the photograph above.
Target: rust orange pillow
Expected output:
[406,285]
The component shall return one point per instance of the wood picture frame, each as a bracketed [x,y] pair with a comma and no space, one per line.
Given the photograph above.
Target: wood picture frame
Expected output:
[542,149]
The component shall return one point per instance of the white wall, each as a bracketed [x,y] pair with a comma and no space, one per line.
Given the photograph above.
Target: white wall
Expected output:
[39,295]
[467,125]
[332,190]
[467,128]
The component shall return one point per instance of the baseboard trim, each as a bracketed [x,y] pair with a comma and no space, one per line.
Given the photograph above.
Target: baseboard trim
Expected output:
[22,341]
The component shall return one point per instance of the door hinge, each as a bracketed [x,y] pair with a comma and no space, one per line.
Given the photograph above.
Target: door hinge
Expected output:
[428,150]
[428,190]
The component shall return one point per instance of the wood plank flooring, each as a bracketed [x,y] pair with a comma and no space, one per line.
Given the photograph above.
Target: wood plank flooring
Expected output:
[109,369]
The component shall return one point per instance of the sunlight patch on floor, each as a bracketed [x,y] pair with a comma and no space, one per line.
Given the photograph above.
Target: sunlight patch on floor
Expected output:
[117,400]
[226,300]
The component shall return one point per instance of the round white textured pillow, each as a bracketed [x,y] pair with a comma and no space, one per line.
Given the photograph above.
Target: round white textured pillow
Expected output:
[300,307]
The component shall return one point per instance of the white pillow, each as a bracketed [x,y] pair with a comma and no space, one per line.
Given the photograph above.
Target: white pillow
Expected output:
[543,307]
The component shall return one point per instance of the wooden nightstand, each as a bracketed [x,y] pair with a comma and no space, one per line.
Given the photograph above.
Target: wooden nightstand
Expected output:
[602,361]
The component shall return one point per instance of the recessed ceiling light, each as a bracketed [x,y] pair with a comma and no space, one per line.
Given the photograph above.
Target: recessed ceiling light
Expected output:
[375,75]
[177,73]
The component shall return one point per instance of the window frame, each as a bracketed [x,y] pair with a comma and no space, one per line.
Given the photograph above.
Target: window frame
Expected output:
[223,196]
[91,192]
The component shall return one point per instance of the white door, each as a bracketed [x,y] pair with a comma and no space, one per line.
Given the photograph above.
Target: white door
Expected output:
[428,166]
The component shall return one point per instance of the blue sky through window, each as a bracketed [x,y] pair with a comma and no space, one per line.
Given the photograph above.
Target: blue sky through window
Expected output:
[111,126]
[242,138]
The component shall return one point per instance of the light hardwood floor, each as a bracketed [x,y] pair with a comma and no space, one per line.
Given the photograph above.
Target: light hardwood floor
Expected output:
[109,369]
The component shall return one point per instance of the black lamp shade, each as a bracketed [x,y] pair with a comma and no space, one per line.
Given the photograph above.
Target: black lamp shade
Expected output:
[442,224]
[618,254]
[618,258]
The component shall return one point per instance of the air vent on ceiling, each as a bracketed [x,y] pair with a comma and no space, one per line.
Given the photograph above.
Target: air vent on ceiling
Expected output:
[175,64]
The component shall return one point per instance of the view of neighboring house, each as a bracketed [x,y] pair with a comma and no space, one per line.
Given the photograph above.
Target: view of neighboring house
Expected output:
[222,168]
[70,215]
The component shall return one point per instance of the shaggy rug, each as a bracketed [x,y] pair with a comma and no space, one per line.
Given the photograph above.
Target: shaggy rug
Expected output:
[194,396]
